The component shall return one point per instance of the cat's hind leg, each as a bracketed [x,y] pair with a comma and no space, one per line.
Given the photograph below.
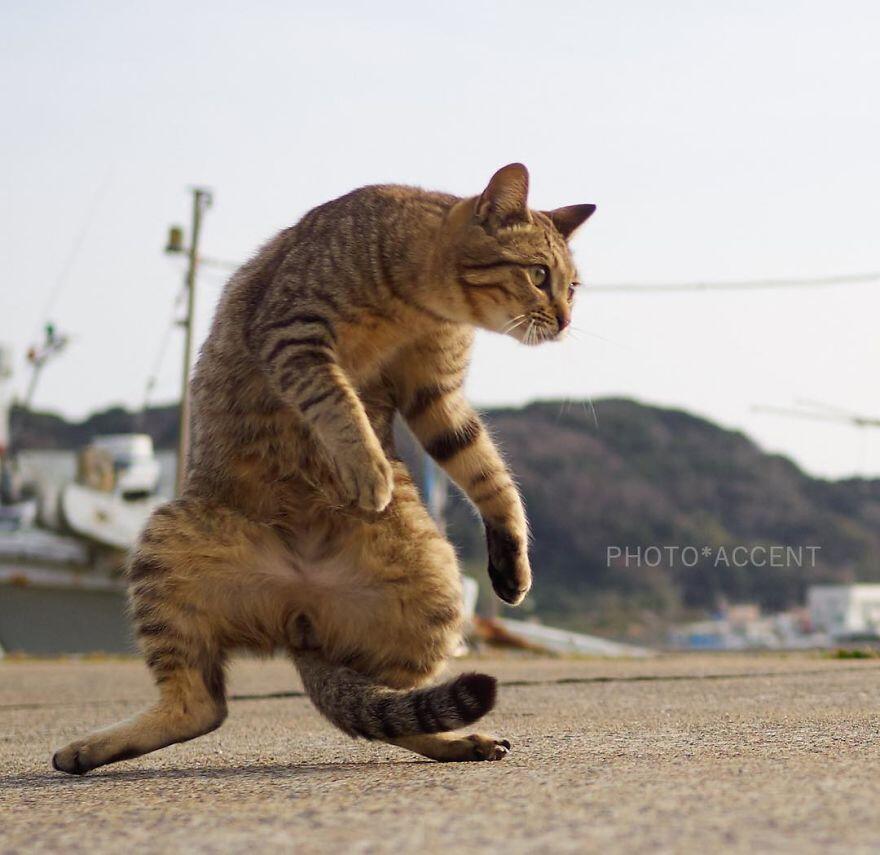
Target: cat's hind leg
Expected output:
[394,616]
[177,636]
[191,703]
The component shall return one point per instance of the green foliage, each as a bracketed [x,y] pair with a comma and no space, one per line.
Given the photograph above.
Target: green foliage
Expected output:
[44,431]
[853,653]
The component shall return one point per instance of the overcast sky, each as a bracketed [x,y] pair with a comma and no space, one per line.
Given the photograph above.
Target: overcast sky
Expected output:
[720,140]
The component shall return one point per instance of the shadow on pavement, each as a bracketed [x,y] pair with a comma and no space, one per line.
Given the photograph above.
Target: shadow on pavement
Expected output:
[50,779]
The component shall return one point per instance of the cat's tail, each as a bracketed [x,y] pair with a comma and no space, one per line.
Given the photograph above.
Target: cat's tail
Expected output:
[360,707]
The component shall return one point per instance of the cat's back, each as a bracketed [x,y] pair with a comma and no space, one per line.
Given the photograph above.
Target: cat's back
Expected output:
[339,236]
[377,201]
[353,225]
[344,249]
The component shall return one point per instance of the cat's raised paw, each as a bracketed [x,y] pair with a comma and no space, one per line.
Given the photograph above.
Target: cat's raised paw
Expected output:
[509,568]
[365,483]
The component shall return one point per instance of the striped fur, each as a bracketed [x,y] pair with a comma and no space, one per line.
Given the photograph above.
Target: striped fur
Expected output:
[298,527]
[360,707]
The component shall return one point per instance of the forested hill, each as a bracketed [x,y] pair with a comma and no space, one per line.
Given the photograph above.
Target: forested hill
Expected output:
[635,476]
[46,431]
[639,476]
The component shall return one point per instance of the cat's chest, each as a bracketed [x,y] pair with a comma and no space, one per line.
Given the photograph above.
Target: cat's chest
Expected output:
[367,347]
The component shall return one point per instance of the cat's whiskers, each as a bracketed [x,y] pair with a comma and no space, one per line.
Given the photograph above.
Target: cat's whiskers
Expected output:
[514,324]
[541,333]
[563,408]
[592,411]
[573,328]
[518,325]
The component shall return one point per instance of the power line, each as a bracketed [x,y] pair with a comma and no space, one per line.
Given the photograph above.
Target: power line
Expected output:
[735,285]
[831,415]
[174,322]
[76,246]
[668,287]
[220,263]
[157,362]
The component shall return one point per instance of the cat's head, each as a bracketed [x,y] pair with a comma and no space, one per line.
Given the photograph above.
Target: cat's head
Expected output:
[512,266]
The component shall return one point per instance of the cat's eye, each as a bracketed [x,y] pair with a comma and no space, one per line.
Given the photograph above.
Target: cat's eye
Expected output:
[539,275]
[571,289]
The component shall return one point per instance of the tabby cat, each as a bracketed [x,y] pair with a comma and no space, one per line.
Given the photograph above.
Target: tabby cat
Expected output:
[298,527]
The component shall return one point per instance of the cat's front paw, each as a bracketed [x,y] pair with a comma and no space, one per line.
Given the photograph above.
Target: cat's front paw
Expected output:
[366,481]
[509,567]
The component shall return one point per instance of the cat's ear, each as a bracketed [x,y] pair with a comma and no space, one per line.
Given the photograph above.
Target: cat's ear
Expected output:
[567,220]
[505,198]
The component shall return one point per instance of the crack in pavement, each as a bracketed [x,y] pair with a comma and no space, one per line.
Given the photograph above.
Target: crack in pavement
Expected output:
[561,681]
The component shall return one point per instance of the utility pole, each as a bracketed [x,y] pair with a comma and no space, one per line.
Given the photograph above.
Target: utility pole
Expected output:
[201,200]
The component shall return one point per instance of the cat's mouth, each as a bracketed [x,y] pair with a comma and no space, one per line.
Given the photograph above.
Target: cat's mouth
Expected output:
[532,331]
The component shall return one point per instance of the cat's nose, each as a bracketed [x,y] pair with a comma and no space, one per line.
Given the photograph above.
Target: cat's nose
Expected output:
[563,320]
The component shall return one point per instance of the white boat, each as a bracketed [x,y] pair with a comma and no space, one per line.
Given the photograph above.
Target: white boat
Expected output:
[62,591]
[115,491]
[134,468]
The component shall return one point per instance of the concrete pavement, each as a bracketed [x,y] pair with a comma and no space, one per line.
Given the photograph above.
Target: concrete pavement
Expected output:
[676,754]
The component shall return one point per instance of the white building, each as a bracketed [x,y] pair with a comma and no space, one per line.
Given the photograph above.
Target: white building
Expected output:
[845,610]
